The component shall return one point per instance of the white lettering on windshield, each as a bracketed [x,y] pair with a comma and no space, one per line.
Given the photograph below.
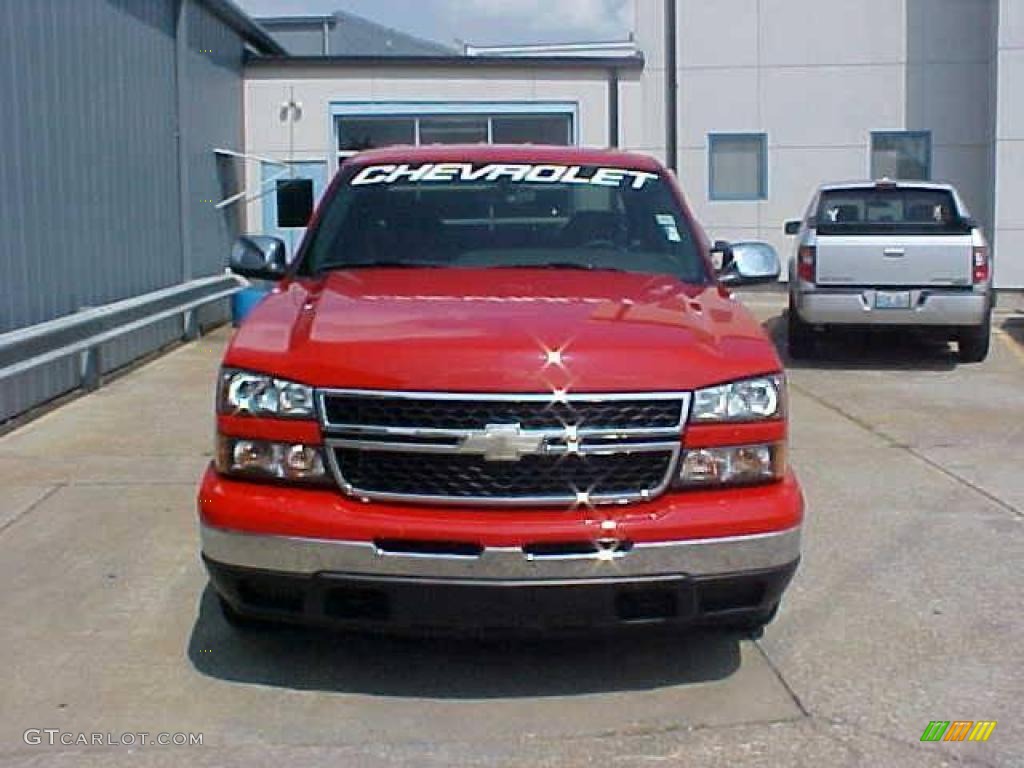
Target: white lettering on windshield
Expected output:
[516,172]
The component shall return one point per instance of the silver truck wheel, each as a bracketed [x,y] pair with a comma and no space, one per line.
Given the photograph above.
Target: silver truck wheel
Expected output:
[972,345]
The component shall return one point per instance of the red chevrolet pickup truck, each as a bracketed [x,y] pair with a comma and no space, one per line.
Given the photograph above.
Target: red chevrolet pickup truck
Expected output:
[501,389]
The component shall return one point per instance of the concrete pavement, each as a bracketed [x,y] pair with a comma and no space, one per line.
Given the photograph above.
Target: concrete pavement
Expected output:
[906,608]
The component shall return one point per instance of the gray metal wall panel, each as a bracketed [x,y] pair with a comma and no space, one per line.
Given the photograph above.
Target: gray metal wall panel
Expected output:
[215,115]
[89,197]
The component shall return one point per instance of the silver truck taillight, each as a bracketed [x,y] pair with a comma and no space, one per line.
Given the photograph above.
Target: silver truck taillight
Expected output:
[979,264]
[805,263]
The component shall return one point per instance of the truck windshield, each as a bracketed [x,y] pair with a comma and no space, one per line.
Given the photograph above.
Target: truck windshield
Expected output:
[465,215]
[868,211]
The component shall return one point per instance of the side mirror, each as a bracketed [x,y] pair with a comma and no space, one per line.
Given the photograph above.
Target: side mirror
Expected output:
[792,227]
[259,256]
[751,263]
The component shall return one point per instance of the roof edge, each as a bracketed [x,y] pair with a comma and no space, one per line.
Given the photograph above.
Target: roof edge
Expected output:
[243,24]
[298,21]
[634,62]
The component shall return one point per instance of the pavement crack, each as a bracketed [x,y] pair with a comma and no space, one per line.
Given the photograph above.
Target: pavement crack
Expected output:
[49,492]
[782,680]
[910,450]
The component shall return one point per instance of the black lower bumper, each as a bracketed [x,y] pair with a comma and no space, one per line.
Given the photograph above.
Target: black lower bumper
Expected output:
[404,604]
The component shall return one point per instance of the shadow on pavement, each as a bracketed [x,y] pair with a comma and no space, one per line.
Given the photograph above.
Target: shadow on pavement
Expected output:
[875,350]
[1014,328]
[311,659]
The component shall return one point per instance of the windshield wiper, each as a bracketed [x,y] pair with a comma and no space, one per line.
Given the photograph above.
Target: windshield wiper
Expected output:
[382,264]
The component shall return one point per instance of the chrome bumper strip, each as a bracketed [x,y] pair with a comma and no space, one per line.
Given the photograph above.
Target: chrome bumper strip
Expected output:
[697,557]
[854,306]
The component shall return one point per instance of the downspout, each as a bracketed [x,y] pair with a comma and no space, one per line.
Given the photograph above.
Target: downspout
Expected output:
[671,87]
[181,87]
[613,107]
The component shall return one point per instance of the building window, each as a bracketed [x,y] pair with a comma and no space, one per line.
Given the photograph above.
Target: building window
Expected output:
[453,124]
[535,129]
[358,133]
[454,129]
[901,155]
[737,166]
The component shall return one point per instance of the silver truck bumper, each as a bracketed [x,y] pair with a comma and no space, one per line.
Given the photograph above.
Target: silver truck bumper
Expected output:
[307,557]
[857,307]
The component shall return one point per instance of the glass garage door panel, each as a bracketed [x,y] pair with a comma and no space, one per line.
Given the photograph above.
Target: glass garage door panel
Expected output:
[463,129]
[532,129]
[359,133]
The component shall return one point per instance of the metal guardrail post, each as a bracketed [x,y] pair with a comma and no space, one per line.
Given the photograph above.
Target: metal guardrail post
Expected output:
[190,325]
[89,368]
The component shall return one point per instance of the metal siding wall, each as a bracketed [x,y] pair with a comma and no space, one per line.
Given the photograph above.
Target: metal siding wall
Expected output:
[215,114]
[89,198]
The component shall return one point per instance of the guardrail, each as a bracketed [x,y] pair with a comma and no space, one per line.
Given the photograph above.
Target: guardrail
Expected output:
[84,332]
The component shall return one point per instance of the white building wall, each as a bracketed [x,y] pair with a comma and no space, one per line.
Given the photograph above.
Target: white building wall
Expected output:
[950,77]
[1009,152]
[642,96]
[817,78]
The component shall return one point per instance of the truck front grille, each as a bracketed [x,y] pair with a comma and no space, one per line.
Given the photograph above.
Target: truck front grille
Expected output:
[532,477]
[502,449]
[472,413]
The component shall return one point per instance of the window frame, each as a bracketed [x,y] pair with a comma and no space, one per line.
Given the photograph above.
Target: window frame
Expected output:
[921,134]
[415,110]
[762,181]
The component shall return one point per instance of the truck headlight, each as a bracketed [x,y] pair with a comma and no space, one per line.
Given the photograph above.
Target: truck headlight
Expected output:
[732,465]
[262,459]
[746,400]
[244,393]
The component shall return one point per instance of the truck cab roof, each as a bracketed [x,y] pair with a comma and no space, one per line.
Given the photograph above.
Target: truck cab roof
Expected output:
[897,183]
[508,153]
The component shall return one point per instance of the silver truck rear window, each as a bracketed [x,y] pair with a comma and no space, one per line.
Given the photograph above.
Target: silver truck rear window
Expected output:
[871,211]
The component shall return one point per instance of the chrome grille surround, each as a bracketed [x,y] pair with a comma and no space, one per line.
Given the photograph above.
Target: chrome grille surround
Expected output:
[506,442]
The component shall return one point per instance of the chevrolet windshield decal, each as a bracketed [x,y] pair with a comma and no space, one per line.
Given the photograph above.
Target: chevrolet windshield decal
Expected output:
[517,172]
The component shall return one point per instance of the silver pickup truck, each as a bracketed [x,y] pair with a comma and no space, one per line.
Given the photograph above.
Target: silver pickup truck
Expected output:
[890,253]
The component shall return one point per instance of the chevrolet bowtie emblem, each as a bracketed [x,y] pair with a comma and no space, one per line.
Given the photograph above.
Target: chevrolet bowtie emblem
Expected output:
[502,442]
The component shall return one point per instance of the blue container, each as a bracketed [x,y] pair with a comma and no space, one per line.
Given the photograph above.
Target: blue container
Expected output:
[247,298]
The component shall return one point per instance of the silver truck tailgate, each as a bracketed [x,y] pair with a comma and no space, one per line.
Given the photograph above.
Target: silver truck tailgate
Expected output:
[884,260]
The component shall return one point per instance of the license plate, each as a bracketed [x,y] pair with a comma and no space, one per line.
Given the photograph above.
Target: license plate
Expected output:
[892,299]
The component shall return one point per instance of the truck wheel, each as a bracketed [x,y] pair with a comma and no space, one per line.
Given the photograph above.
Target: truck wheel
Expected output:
[972,345]
[800,336]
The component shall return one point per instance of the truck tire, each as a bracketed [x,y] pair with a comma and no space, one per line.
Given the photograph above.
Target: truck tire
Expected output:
[799,337]
[972,345]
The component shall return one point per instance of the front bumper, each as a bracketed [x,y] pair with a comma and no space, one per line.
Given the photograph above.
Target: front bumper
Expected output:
[317,556]
[380,559]
[401,604]
[856,306]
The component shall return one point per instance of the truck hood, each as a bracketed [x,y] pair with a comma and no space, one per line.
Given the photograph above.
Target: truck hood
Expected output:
[501,330]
